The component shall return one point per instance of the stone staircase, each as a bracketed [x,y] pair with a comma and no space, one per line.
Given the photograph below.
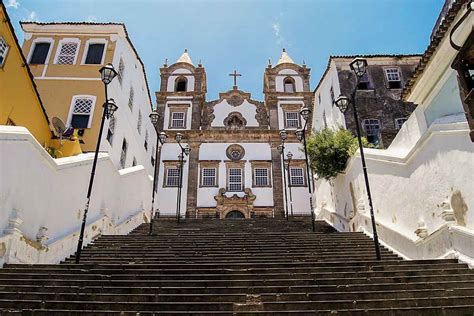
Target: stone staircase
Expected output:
[245,267]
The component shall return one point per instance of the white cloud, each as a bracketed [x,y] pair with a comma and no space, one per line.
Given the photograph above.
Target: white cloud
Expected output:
[277,32]
[33,16]
[13,4]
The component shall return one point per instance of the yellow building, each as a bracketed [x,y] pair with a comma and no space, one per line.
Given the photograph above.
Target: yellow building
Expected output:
[20,103]
[65,59]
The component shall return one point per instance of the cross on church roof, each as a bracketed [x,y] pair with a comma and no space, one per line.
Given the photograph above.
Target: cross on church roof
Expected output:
[235,75]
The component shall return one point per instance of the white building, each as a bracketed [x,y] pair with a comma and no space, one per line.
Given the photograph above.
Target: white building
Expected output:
[234,168]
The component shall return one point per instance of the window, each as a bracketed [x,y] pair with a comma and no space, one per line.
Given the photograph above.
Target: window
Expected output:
[81,114]
[393,78]
[123,154]
[325,122]
[261,177]
[372,130]
[40,53]
[111,129]
[130,98]
[297,177]
[3,51]
[181,84]
[121,71]
[289,85]
[139,122]
[67,53]
[364,83]
[234,181]
[94,54]
[172,177]
[399,122]
[292,119]
[134,162]
[177,120]
[319,98]
[208,177]
[146,140]
[331,91]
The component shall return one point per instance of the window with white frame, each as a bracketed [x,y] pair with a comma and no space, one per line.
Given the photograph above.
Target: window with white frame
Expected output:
[234,180]
[393,78]
[139,122]
[95,53]
[292,119]
[178,119]
[399,122]
[81,114]
[111,129]
[172,176]
[3,51]
[372,130]
[297,176]
[123,154]
[67,53]
[131,96]
[208,177]
[40,53]
[121,71]
[261,177]
[146,140]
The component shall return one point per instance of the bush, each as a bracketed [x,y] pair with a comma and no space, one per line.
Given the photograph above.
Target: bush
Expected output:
[329,151]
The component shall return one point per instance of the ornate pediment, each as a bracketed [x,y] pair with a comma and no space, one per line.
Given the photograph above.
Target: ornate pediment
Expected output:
[246,200]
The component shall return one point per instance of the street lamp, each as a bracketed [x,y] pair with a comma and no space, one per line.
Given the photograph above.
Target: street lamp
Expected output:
[289,156]
[301,136]
[160,139]
[107,74]
[281,149]
[186,150]
[359,67]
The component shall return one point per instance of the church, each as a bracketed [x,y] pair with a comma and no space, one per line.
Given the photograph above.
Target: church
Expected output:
[234,167]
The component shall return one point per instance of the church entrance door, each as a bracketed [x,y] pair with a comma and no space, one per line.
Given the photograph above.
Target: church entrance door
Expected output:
[235,215]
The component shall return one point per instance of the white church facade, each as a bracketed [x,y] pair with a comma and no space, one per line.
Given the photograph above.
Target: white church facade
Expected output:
[234,168]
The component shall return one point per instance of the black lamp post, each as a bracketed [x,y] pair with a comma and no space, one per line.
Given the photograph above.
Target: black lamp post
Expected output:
[289,156]
[281,150]
[107,74]
[359,67]
[184,151]
[301,135]
[160,139]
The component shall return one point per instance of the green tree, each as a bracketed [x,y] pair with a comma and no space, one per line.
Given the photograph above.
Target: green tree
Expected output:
[330,149]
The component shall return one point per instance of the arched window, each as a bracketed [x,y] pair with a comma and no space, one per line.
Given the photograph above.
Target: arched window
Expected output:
[181,84]
[289,84]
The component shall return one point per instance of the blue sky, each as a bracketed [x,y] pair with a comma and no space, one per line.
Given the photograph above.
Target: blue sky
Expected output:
[244,34]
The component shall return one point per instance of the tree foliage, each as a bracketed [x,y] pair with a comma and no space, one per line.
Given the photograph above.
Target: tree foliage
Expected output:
[329,151]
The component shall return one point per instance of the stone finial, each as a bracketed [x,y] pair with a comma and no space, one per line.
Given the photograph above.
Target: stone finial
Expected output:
[166,63]
[42,236]
[14,223]
[422,230]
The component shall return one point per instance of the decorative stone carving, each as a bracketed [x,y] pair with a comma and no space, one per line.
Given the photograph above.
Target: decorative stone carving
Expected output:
[208,116]
[243,204]
[454,209]
[14,223]
[235,121]
[235,152]
[422,230]
[42,236]
[235,100]
[262,114]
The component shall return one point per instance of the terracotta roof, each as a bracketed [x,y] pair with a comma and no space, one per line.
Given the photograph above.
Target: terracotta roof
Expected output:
[12,30]
[362,56]
[103,23]
[441,28]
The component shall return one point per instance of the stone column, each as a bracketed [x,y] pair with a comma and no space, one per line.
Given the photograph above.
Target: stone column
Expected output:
[193,180]
[277,182]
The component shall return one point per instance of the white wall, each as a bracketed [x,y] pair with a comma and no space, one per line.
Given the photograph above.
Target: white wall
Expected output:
[334,117]
[42,191]
[166,197]
[126,120]
[178,73]
[223,109]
